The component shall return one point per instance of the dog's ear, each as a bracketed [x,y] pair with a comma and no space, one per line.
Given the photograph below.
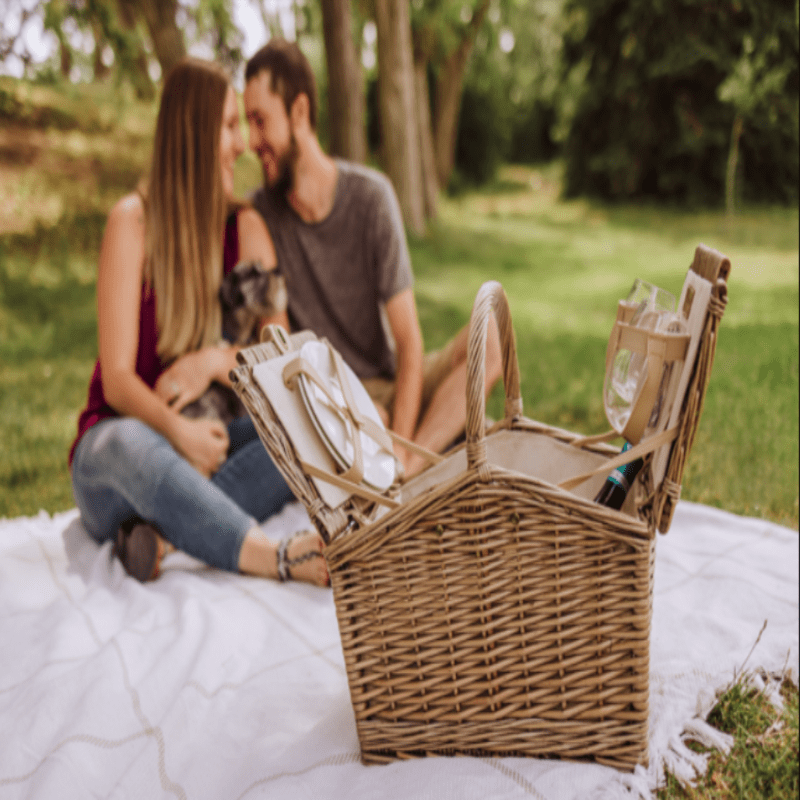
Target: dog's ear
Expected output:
[260,291]
[269,294]
[279,294]
[233,289]
[228,292]
[245,270]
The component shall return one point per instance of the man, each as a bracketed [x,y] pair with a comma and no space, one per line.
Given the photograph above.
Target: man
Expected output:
[341,244]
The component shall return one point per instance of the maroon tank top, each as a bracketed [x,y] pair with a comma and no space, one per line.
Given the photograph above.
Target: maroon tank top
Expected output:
[148,363]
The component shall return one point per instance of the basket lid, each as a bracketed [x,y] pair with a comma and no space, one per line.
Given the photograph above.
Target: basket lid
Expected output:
[702,304]
[269,383]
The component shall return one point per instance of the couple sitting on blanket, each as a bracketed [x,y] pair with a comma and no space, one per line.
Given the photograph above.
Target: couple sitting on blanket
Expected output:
[153,479]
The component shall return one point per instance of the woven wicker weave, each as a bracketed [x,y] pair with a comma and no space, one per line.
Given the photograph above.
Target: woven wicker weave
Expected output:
[492,612]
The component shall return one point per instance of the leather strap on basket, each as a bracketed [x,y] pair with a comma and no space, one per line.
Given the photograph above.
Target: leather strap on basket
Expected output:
[714,267]
[624,336]
[659,349]
[490,297]
[350,479]
[640,450]
[278,336]
[357,489]
[349,412]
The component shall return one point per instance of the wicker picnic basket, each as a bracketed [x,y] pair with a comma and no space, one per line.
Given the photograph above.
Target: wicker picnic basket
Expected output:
[483,609]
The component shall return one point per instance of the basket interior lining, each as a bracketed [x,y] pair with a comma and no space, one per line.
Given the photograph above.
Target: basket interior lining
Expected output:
[532,454]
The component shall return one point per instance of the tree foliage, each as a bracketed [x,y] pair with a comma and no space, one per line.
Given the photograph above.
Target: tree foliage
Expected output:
[511,90]
[677,100]
[444,34]
[133,39]
[762,89]
[214,22]
[655,86]
[346,97]
[400,150]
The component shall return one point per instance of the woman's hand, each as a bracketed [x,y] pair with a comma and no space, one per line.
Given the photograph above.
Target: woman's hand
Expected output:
[188,377]
[203,443]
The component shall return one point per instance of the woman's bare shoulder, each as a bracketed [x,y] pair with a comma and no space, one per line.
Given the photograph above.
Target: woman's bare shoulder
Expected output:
[128,211]
[124,236]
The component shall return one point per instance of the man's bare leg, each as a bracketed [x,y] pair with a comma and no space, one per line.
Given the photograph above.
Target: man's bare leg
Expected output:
[446,415]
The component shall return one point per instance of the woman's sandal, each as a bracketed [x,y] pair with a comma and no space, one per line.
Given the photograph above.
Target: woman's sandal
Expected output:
[140,548]
[285,564]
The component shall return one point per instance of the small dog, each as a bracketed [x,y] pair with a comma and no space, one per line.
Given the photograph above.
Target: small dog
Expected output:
[248,293]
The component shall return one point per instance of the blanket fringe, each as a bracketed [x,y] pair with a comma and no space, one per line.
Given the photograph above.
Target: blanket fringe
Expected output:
[768,685]
[677,759]
[685,764]
[633,786]
[698,730]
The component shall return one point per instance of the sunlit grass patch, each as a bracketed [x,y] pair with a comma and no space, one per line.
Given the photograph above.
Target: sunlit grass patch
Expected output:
[40,397]
[67,150]
[745,456]
[563,280]
[763,762]
[562,264]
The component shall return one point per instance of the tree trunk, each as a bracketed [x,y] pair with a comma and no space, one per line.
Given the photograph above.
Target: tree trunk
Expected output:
[448,94]
[397,104]
[134,59]
[430,183]
[65,57]
[733,158]
[346,112]
[100,69]
[165,34]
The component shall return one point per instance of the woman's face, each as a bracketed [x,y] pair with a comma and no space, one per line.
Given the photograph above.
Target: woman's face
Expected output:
[231,142]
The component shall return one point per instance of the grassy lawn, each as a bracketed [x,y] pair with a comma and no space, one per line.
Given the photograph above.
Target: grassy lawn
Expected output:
[563,266]
[762,763]
[66,155]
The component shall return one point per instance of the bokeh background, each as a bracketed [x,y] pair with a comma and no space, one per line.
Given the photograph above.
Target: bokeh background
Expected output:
[563,147]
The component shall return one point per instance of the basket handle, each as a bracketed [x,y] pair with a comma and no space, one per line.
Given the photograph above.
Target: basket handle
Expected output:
[490,297]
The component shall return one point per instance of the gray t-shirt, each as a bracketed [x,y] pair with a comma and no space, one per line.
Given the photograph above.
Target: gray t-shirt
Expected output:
[340,272]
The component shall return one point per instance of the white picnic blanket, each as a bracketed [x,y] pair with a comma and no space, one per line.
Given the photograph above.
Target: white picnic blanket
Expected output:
[207,685]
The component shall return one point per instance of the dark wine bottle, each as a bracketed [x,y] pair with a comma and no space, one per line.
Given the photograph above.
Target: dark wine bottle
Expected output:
[618,483]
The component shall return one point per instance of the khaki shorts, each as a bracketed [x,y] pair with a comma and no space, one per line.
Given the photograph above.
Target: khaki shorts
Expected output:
[436,366]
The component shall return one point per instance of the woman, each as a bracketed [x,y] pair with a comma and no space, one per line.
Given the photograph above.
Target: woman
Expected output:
[202,487]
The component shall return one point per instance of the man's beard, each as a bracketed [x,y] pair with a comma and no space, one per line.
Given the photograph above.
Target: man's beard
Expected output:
[284,182]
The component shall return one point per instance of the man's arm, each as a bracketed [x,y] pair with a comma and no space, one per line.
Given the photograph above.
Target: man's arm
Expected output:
[255,244]
[404,322]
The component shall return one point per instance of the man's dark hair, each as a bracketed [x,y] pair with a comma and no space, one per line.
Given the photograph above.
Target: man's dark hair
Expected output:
[290,74]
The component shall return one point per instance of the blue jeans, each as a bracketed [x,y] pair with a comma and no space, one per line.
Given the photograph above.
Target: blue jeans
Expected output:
[123,468]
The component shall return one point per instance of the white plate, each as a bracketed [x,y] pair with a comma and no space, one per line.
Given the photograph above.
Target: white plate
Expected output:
[334,430]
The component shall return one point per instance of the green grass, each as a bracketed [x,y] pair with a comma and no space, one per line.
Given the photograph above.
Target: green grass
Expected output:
[763,761]
[66,155]
[564,265]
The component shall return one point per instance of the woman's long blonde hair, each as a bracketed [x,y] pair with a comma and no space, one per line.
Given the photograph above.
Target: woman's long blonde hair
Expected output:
[185,209]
